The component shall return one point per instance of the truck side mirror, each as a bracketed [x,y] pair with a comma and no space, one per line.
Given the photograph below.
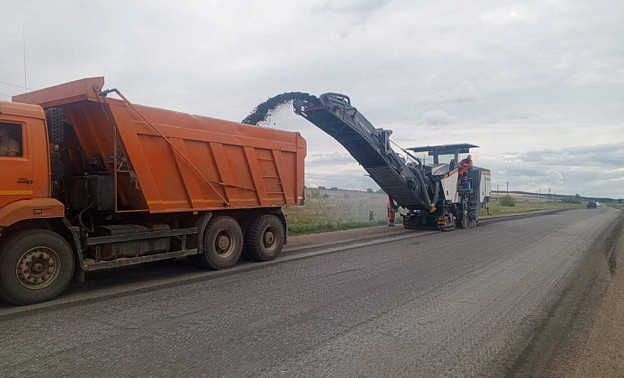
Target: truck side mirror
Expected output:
[54,117]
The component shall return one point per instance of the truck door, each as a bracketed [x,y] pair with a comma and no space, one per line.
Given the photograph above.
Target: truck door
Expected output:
[16,165]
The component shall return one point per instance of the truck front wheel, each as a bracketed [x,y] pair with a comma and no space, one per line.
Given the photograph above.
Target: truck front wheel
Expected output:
[35,266]
[223,243]
[264,237]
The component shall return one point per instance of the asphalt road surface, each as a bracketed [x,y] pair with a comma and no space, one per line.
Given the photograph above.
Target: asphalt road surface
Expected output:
[463,303]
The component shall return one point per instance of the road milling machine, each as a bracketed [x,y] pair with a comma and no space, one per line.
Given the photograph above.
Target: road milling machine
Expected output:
[431,191]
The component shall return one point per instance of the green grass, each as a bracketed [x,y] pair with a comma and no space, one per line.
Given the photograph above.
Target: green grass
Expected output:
[527,207]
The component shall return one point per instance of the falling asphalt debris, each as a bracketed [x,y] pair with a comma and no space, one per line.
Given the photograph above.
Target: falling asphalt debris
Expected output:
[264,110]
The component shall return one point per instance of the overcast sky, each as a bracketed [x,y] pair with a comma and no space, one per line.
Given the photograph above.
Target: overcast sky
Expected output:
[538,85]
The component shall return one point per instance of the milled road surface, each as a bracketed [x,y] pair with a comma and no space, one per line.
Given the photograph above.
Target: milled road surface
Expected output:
[464,303]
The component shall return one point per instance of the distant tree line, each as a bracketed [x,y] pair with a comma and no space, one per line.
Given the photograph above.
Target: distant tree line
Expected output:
[569,199]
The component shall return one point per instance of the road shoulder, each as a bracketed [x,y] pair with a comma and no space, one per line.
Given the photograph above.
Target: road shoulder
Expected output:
[603,352]
[583,334]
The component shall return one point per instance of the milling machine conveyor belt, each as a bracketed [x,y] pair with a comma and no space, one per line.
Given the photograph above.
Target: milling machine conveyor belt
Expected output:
[369,146]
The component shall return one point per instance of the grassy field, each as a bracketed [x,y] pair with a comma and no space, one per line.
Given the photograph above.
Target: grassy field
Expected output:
[526,204]
[330,210]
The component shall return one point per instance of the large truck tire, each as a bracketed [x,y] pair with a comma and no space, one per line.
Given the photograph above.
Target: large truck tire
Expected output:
[223,243]
[35,266]
[264,238]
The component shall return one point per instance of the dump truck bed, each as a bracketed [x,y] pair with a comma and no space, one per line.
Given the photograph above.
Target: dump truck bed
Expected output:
[167,161]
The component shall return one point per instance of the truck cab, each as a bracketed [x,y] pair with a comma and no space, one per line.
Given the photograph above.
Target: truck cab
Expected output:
[25,179]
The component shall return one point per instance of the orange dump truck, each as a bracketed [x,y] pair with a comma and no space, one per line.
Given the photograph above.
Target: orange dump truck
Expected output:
[89,182]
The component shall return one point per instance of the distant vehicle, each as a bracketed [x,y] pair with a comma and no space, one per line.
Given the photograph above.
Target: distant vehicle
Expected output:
[591,205]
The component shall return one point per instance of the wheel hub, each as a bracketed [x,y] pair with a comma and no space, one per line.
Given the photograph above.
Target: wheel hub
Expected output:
[224,242]
[269,238]
[38,268]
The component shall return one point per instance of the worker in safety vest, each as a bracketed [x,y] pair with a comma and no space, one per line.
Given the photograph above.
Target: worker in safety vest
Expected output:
[393,207]
[464,167]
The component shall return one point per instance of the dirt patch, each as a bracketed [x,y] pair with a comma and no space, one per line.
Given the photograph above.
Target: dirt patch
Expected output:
[582,325]
[264,109]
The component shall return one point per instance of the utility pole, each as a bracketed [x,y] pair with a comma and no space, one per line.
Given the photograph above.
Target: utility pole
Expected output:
[497,192]
[549,193]
[507,187]
[539,192]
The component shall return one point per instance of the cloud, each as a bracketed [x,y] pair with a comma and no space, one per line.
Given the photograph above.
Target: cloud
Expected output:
[351,6]
[336,168]
[464,92]
[587,170]
[510,116]
[503,16]
[339,158]
[343,181]
[437,117]
[605,156]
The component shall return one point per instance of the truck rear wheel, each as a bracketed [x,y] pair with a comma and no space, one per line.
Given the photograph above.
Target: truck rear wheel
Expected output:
[223,243]
[264,238]
[35,266]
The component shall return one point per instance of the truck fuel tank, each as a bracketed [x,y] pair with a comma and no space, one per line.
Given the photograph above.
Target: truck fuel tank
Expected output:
[132,248]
